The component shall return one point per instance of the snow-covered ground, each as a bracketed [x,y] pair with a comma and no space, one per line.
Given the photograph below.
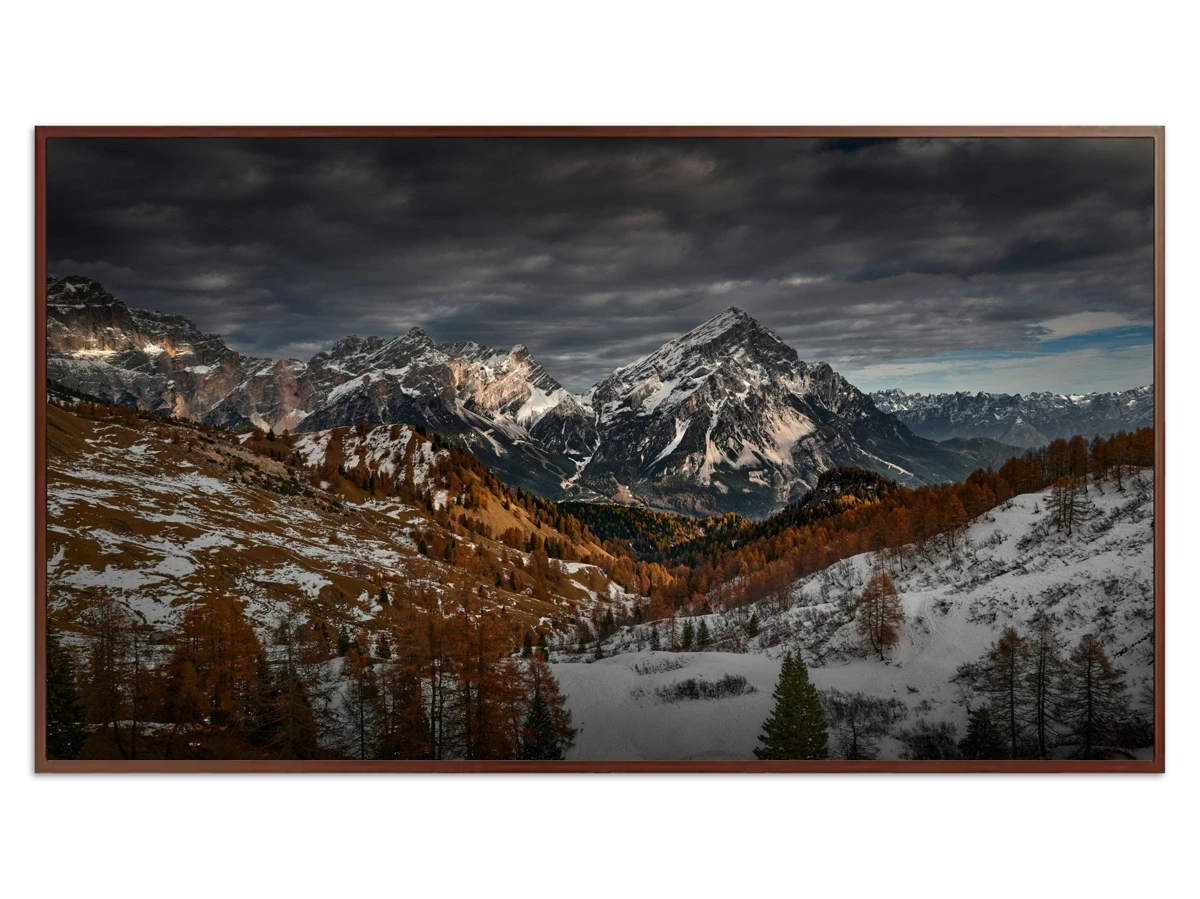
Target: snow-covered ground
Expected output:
[1009,565]
[619,715]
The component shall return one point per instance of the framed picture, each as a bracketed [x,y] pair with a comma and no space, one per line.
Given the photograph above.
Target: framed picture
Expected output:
[599,449]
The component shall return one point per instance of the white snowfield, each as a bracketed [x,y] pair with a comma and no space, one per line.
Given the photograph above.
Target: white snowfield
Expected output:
[1009,565]
[619,716]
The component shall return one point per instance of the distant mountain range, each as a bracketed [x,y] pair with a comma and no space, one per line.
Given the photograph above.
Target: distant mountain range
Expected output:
[724,418]
[1030,420]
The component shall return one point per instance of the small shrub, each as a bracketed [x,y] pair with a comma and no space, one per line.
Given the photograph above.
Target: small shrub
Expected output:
[930,741]
[667,664]
[696,688]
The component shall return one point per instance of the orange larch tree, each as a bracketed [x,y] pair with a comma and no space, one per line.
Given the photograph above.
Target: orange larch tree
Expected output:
[880,614]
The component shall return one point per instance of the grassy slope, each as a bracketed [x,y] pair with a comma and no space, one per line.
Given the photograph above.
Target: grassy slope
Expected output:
[159,515]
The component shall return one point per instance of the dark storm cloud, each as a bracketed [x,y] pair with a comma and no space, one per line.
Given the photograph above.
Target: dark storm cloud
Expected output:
[862,253]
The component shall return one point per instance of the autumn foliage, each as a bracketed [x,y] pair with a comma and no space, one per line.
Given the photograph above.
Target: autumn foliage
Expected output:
[879,614]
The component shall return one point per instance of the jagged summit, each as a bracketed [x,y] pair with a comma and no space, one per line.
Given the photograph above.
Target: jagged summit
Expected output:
[731,341]
[352,345]
[77,290]
[733,313]
[733,322]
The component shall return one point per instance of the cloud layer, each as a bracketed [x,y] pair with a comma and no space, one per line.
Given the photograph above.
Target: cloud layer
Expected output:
[933,263]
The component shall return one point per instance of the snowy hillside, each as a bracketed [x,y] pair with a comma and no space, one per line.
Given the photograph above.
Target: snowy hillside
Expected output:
[393,452]
[159,517]
[1007,566]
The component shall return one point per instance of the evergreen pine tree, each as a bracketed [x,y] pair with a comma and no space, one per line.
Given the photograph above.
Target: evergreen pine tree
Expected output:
[527,645]
[752,627]
[546,731]
[795,729]
[384,599]
[702,636]
[344,643]
[538,739]
[543,646]
[655,641]
[984,739]
[689,635]
[65,727]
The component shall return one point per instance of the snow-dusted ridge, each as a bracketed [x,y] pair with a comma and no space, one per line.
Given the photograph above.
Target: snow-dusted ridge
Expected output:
[1032,419]
[724,418]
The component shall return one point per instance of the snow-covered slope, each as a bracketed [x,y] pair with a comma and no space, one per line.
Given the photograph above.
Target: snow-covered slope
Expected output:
[1030,420]
[1009,565]
[157,516]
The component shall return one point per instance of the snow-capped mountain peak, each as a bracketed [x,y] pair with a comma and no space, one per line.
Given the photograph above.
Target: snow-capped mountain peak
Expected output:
[727,416]
[732,348]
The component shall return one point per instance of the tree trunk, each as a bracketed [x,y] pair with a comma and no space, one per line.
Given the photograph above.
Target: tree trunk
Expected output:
[1090,723]
[133,712]
[1012,704]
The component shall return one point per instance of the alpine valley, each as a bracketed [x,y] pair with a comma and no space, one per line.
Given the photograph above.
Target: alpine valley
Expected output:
[328,560]
[635,522]
[726,418]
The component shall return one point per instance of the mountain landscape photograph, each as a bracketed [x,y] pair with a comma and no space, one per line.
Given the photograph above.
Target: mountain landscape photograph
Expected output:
[600,449]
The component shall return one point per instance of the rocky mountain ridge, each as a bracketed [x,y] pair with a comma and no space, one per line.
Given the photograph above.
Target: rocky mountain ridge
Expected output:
[1032,419]
[724,418]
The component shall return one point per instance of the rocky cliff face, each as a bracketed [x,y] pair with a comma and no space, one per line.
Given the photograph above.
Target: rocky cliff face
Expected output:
[146,359]
[489,400]
[725,418]
[1030,420]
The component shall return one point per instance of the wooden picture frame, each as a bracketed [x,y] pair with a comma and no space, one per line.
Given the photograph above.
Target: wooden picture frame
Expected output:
[44,135]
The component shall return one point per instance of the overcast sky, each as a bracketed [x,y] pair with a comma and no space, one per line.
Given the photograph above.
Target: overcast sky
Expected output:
[1005,265]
